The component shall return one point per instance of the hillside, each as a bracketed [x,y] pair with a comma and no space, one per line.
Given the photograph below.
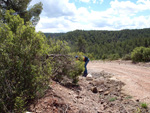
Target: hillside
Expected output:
[105,92]
[105,44]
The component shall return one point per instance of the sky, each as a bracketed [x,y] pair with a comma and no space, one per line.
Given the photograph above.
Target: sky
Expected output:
[68,15]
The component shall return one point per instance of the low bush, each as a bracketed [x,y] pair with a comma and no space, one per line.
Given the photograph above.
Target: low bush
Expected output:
[140,54]
[113,57]
[127,57]
[63,62]
[144,105]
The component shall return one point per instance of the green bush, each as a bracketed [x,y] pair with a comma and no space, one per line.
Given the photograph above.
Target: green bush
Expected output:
[127,57]
[113,99]
[24,69]
[140,54]
[146,55]
[144,105]
[113,57]
[104,57]
[63,62]
[137,54]
[28,61]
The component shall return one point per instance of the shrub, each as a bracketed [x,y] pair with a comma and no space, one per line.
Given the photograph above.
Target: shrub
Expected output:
[140,54]
[104,57]
[113,99]
[127,57]
[63,63]
[114,57]
[24,69]
[146,55]
[27,61]
[137,54]
[144,105]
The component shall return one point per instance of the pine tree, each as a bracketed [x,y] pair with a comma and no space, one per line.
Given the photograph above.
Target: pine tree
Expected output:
[21,8]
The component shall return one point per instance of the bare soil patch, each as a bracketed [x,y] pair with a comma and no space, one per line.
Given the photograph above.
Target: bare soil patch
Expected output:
[102,93]
[135,76]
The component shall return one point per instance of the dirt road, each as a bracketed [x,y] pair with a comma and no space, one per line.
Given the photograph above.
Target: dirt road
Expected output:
[101,93]
[135,76]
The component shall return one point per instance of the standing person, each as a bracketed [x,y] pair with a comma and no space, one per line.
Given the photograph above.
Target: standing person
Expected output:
[86,60]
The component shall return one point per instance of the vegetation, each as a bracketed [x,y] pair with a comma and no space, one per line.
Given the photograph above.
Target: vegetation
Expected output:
[113,99]
[144,105]
[24,69]
[21,7]
[63,62]
[106,44]
[28,61]
[140,54]
[128,97]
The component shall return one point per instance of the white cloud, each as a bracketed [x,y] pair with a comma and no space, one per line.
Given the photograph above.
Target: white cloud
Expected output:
[124,7]
[56,8]
[85,1]
[97,1]
[101,1]
[94,1]
[62,16]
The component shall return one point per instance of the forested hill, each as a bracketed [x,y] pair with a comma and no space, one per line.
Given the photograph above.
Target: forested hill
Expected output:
[53,35]
[106,44]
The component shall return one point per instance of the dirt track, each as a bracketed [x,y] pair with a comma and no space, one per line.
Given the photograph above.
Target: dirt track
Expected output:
[101,93]
[135,76]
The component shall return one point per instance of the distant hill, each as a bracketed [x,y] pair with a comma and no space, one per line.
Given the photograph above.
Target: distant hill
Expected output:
[105,44]
[53,35]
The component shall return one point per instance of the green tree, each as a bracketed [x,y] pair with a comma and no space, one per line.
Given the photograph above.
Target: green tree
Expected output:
[21,7]
[28,61]
[81,44]
[24,68]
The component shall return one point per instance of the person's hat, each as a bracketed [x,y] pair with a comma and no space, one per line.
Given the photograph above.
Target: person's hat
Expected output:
[76,56]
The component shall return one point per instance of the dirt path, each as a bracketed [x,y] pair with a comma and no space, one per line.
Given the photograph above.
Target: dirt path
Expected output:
[135,76]
[102,93]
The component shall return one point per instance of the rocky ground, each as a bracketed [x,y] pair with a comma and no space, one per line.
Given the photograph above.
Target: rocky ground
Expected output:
[100,93]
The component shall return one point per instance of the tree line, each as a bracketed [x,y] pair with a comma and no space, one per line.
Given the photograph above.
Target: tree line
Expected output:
[106,44]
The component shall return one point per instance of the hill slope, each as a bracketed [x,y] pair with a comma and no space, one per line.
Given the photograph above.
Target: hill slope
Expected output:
[99,94]
[104,44]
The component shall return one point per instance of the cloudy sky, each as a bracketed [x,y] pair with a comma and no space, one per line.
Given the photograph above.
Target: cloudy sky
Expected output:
[68,15]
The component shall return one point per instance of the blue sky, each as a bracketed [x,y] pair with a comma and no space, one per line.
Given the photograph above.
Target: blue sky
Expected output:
[68,15]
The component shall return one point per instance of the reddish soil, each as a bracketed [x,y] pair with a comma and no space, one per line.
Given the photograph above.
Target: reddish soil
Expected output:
[115,87]
[135,76]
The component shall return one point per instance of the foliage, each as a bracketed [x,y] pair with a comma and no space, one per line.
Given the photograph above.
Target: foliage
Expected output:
[63,63]
[28,61]
[24,69]
[106,44]
[21,7]
[81,54]
[113,57]
[113,99]
[144,105]
[81,44]
[129,97]
[126,57]
[140,54]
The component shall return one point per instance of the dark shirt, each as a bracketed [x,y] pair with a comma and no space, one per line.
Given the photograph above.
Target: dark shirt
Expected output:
[86,59]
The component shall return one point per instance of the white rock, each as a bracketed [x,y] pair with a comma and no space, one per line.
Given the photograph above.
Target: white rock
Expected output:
[89,75]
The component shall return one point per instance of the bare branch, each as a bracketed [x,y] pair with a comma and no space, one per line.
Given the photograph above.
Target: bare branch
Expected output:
[58,55]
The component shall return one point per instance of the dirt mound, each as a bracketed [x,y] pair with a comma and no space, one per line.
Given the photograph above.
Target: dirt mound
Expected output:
[99,94]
